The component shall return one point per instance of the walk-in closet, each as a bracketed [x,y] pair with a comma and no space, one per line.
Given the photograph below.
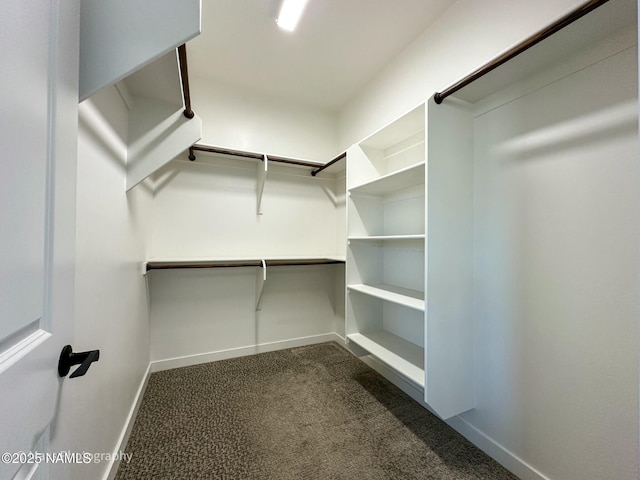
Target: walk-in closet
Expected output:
[400,240]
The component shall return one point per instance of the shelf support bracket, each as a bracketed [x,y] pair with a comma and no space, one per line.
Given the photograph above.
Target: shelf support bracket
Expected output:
[261,278]
[262,176]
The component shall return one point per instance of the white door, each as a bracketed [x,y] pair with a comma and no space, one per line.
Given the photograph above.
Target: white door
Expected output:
[38,137]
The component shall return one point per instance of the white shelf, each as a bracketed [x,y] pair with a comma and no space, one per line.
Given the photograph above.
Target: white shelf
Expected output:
[384,238]
[408,177]
[402,296]
[403,356]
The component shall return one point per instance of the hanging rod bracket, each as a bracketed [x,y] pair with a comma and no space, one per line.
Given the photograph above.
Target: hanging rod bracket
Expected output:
[261,278]
[262,178]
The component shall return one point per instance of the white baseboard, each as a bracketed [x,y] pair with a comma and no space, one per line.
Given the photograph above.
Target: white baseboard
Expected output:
[177,362]
[128,426]
[503,456]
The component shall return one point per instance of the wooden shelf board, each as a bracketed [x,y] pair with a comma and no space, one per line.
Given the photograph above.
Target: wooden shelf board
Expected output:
[405,178]
[399,354]
[402,296]
[222,262]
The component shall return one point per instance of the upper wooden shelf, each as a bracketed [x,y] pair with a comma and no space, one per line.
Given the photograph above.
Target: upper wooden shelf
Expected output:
[220,262]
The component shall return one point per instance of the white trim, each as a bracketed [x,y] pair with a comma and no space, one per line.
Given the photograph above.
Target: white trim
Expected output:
[500,454]
[121,444]
[20,347]
[488,445]
[189,360]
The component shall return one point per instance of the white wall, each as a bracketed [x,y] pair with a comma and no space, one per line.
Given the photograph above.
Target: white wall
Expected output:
[465,37]
[556,247]
[212,311]
[208,209]
[111,300]
[557,268]
[241,119]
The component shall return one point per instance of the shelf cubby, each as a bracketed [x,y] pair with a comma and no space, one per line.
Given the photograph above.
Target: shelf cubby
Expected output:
[395,352]
[390,331]
[396,263]
[392,214]
[388,159]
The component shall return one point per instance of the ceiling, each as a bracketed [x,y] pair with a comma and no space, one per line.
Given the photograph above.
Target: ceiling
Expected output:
[338,47]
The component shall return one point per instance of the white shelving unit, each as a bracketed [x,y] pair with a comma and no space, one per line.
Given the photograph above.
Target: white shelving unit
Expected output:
[409,259]
[386,245]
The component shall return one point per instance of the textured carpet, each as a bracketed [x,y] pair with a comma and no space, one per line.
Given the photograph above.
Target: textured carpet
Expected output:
[313,413]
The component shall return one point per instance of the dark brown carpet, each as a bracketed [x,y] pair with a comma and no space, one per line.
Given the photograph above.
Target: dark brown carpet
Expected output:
[313,413]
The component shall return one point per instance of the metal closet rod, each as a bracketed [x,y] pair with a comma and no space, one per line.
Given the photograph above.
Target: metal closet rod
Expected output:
[558,25]
[184,77]
[258,156]
[188,112]
[239,263]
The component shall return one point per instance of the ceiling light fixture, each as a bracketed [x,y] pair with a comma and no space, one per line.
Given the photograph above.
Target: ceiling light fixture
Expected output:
[290,13]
